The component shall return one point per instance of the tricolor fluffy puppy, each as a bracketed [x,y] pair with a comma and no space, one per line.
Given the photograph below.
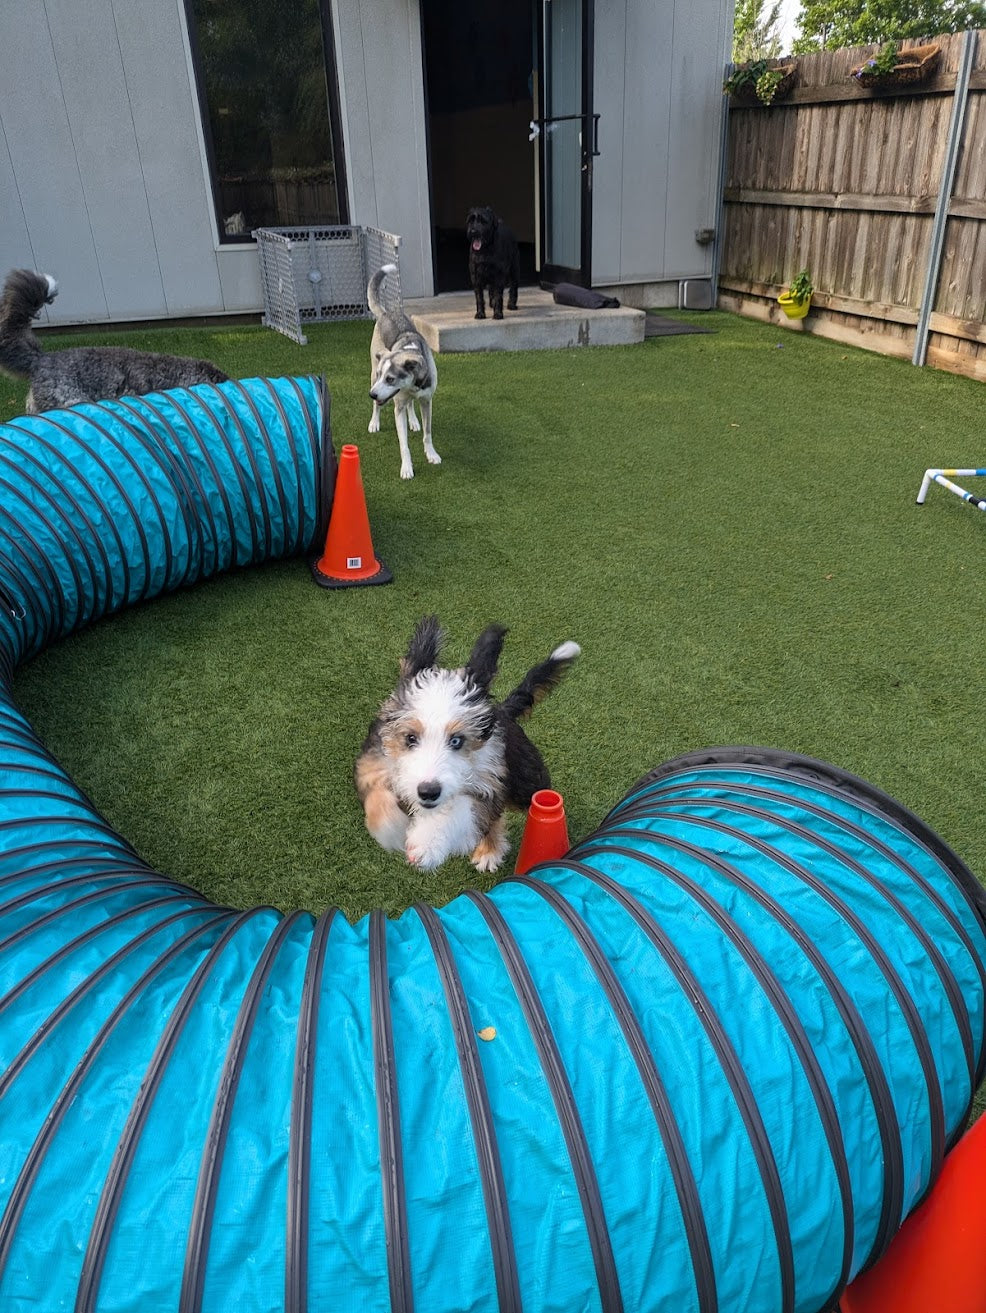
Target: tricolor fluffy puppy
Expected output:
[442,761]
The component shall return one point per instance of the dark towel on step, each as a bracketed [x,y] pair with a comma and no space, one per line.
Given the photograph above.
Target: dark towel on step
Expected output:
[584,297]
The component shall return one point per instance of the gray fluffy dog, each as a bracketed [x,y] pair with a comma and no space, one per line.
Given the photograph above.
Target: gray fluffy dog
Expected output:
[82,373]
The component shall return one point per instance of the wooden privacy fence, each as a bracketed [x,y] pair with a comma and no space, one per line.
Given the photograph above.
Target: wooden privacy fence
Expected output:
[881,194]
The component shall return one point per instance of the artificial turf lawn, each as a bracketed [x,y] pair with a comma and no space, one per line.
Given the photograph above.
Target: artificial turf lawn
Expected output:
[725,523]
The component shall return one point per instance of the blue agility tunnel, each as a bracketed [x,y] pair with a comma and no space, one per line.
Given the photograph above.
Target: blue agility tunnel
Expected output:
[706,1063]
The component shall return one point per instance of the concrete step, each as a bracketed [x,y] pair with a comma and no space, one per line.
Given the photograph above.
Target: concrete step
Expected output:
[448,323]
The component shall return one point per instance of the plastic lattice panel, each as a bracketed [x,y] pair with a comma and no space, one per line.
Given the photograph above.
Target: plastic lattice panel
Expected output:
[311,275]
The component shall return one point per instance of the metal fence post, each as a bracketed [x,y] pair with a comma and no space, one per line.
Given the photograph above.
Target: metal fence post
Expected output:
[955,127]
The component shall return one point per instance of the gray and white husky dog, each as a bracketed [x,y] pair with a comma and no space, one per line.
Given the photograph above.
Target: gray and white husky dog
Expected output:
[81,373]
[402,367]
[442,761]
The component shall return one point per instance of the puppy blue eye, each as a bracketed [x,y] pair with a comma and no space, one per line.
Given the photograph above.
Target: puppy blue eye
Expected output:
[410,740]
[456,742]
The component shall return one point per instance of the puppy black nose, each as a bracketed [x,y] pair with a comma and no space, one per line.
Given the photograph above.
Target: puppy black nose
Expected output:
[429,791]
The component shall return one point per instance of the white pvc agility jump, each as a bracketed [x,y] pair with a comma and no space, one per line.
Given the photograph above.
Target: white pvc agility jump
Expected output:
[941,476]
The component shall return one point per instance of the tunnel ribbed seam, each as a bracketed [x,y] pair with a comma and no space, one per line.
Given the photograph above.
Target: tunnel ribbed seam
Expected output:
[388,1122]
[302,1109]
[32,1165]
[480,1116]
[686,1188]
[111,1195]
[563,1098]
[207,1186]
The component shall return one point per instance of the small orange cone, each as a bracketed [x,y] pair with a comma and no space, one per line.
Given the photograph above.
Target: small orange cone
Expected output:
[545,832]
[937,1260]
[348,559]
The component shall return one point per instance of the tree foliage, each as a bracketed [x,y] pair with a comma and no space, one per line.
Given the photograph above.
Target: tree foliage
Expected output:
[755,33]
[831,24]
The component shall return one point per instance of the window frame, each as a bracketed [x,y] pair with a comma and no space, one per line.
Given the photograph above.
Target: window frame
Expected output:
[333,107]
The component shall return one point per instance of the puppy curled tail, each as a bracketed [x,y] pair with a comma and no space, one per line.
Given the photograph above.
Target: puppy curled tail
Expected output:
[24,294]
[377,308]
[539,681]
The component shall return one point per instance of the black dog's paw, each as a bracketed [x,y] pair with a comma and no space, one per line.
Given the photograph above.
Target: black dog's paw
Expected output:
[497,314]
[511,305]
[481,314]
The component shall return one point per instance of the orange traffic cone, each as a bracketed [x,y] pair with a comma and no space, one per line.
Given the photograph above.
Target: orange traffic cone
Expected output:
[348,559]
[545,831]
[937,1260]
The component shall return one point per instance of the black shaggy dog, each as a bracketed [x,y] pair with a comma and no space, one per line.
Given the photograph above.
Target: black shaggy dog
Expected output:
[494,261]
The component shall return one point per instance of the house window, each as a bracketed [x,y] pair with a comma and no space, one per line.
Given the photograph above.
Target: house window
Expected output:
[268,90]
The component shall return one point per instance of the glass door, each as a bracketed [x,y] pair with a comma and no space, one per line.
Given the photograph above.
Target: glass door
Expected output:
[566,133]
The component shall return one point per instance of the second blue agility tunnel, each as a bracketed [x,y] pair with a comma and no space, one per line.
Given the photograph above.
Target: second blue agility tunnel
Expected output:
[707,1062]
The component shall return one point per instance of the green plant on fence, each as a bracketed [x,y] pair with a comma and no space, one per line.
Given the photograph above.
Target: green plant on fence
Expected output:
[759,75]
[882,63]
[801,287]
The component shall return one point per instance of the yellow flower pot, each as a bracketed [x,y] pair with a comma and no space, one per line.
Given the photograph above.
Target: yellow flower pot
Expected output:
[792,308]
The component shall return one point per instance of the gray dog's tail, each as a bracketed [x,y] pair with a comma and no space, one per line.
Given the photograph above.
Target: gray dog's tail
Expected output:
[377,308]
[539,681]
[24,294]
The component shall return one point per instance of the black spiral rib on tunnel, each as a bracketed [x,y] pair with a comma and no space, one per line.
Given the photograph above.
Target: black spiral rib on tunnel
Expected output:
[884,1109]
[118,486]
[269,449]
[480,1116]
[949,984]
[563,1098]
[189,494]
[56,596]
[322,453]
[686,1189]
[103,894]
[836,782]
[325,471]
[207,1188]
[143,481]
[101,1232]
[28,1174]
[104,575]
[898,989]
[302,1108]
[728,1059]
[389,1122]
[87,936]
[872,841]
[859,1036]
[252,504]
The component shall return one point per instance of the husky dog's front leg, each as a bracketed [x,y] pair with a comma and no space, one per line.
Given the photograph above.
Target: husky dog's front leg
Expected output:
[400,419]
[442,832]
[374,424]
[431,455]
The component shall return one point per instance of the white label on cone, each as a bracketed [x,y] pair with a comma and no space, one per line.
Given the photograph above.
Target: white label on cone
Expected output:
[354,562]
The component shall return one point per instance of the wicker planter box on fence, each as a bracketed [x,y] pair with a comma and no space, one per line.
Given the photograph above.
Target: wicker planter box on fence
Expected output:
[913,66]
[746,92]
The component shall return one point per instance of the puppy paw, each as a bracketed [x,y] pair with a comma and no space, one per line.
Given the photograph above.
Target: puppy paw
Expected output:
[491,850]
[407,472]
[423,855]
[489,862]
[413,423]
[374,425]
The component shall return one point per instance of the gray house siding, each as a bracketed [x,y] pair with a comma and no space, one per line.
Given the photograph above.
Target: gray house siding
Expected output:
[382,98]
[658,92]
[104,180]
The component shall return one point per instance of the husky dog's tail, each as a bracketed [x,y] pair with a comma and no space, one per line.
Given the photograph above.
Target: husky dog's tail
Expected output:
[539,681]
[24,294]
[377,308]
